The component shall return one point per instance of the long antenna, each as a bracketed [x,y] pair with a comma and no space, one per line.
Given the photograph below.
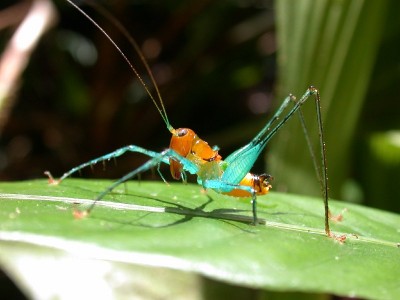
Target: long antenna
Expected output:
[160,106]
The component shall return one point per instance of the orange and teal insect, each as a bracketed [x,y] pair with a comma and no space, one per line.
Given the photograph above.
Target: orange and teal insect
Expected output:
[188,153]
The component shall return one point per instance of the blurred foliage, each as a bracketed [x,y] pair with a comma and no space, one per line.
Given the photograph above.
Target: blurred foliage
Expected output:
[349,50]
[215,65]
[332,45]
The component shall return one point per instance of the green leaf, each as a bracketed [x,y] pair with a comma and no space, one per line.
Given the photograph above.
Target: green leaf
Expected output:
[143,234]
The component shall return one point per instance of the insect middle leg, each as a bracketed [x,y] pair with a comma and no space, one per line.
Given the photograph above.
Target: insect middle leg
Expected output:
[225,187]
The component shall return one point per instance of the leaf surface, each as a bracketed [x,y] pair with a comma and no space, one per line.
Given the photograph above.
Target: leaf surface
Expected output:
[179,227]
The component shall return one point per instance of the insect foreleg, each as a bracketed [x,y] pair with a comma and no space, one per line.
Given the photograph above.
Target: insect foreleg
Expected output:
[114,154]
[157,159]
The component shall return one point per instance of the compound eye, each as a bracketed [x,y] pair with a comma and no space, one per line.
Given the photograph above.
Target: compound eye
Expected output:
[182,132]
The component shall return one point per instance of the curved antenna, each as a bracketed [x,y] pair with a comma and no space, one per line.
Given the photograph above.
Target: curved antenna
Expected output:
[160,106]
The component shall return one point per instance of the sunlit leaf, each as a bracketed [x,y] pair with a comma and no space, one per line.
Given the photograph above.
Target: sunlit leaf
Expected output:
[178,227]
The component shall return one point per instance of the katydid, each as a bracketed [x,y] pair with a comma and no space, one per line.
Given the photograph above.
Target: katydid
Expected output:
[188,153]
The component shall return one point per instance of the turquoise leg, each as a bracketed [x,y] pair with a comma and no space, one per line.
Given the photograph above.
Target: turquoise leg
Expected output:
[223,187]
[114,154]
[155,161]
